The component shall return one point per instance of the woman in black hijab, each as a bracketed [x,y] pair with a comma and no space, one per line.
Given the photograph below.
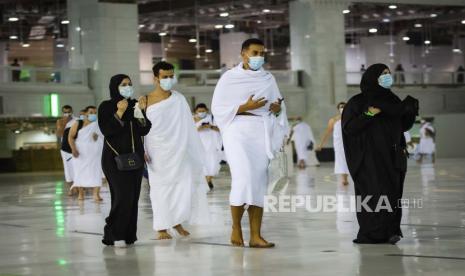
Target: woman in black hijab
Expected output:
[114,119]
[373,124]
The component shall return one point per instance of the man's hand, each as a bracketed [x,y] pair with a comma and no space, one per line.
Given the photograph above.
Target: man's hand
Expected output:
[75,153]
[276,106]
[95,136]
[147,158]
[252,104]
[374,110]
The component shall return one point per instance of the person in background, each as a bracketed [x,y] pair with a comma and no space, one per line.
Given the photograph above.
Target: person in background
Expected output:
[15,73]
[340,163]
[362,68]
[87,144]
[211,140]
[63,126]
[373,126]
[399,74]
[304,143]
[426,148]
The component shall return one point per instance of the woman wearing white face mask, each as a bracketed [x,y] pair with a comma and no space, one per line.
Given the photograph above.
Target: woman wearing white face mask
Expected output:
[334,126]
[211,140]
[123,135]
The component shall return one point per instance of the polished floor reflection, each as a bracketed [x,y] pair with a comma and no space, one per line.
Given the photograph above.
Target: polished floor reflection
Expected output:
[44,232]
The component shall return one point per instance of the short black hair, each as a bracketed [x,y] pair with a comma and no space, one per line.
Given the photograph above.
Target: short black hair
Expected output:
[201,105]
[162,65]
[250,41]
[66,107]
[89,107]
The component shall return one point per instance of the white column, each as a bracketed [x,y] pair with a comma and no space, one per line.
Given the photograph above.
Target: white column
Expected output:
[104,37]
[318,49]
[230,47]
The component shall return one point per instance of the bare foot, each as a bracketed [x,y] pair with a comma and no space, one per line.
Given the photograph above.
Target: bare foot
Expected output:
[345,183]
[98,199]
[236,237]
[181,230]
[260,243]
[163,235]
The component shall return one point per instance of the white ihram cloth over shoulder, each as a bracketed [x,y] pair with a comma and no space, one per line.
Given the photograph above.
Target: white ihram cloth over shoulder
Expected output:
[177,183]
[211,141]
[87,166]
[68,157]
[250,142]
[303,137]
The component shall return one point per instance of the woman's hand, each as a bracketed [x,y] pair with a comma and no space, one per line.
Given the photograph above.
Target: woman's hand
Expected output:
[122,106]
[374,110]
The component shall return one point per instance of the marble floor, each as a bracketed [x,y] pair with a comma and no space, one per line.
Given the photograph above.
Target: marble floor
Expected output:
[45,232]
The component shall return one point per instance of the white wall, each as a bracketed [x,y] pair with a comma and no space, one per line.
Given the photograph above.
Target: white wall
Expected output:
[230,47]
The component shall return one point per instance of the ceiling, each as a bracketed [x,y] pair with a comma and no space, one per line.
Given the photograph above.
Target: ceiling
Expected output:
[268,18]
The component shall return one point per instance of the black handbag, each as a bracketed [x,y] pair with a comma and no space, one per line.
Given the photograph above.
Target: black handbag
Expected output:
[128,161]
[310,146]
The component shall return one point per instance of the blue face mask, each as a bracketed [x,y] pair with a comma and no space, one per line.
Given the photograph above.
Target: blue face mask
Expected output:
[92,117]
[82,117]
[167,84]
[126,91]
[385,81]
[256,63]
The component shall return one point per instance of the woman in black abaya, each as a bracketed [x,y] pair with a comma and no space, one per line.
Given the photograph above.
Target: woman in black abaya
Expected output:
[373,124]
[114,118]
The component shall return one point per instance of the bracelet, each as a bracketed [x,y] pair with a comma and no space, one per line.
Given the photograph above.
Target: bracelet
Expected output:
[368,113]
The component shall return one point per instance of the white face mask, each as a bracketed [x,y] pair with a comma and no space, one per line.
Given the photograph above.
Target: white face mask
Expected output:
[202,114]
[126,91]
[167,84]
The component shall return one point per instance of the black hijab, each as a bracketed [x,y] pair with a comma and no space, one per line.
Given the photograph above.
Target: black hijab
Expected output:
[375,94]
[115,96]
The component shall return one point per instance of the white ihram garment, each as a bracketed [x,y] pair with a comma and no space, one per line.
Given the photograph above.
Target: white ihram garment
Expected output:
[88,165]
[177,184]
[211,141]
[303,137]
[340,163]
[427,144]
[249,141]
[68,158]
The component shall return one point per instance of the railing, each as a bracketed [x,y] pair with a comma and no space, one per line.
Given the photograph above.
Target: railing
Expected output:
[417,78]
[211,77]
[26,74]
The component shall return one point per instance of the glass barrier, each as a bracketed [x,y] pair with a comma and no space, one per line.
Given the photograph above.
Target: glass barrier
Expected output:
[26,74]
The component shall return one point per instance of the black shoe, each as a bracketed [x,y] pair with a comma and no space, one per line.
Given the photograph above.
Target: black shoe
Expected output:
[210,185]
[394,239]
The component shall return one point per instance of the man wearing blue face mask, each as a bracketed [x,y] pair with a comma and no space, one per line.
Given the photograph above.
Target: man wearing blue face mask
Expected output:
[87,144]
[248,109]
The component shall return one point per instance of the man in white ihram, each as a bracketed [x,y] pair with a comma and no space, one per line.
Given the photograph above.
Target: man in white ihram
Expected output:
[174,155]
[248,109]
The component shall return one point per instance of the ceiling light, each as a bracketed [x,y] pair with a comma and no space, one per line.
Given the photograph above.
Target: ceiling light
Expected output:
[346,11]
[141,26]
[375,15]
[13,19]
[392,7]
[405,38]
[208,51]
[433,15]
[463,21]
[224,14]
[456,50]
[373,30]
[13,37]
[78,29]
[192,40]
[218,26]
[386,20]
[259,21]
[162,34]
[72,48]
[64,22]
[266,10]
[25,45]
[427,42]
[229,26]
[418,25]
[60,45]
[17,131]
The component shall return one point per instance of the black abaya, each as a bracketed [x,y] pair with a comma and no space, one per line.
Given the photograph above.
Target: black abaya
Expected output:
[376,156]
[121,223]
